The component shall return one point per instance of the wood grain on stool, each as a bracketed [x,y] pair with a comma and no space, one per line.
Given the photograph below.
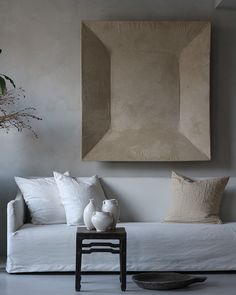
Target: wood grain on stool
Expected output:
[88,248]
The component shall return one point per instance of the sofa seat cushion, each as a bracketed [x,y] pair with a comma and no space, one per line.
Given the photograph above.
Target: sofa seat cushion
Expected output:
[151,247]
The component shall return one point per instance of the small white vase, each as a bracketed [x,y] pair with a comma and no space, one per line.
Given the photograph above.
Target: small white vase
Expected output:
[112,206]
[102,221]
[88,213]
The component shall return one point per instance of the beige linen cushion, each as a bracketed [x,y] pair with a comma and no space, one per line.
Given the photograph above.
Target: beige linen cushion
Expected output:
[195,201]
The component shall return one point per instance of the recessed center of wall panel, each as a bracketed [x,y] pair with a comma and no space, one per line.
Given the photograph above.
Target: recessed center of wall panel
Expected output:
[144,94]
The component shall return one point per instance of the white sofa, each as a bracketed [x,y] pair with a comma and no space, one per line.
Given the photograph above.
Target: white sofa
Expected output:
[152,245]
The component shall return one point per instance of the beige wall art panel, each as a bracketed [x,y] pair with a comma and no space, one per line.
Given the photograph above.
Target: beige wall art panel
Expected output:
[145,91]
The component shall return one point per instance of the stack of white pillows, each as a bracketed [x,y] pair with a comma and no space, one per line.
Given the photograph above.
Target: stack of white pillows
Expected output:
[60,199]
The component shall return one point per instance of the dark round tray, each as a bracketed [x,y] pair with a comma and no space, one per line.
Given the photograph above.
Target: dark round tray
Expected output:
[165,281]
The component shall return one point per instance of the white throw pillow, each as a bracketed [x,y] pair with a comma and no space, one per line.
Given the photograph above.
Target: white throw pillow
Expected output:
[75,194]
[43,200]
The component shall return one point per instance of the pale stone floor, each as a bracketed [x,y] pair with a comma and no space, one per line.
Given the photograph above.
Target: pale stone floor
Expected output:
[63,284]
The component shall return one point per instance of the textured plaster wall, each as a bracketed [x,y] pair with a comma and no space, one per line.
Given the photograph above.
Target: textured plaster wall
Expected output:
[41,51]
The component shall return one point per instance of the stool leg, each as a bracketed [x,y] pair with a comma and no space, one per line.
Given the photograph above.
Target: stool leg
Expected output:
[123,263]
[120,256]
[78,264]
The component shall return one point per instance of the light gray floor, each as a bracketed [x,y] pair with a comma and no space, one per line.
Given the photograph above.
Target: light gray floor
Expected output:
[63,284]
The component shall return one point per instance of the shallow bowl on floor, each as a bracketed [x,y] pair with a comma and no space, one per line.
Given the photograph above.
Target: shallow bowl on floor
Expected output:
[165,281]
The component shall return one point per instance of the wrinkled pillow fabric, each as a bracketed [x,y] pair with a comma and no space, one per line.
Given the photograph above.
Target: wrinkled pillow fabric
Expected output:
[195,201]
[43,200]
[75,194]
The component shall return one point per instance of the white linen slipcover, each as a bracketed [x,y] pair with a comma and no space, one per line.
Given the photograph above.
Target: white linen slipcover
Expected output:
[151,247]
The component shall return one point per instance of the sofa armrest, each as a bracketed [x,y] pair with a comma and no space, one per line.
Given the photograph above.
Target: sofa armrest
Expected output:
[15,213]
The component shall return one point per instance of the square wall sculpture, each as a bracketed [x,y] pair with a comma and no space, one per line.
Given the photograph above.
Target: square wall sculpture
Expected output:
[145,91]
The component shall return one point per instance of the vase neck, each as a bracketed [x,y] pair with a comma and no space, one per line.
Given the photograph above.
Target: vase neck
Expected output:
[113,201]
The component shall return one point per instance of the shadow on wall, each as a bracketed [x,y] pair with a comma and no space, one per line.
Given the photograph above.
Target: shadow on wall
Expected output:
[7,192]
[222,84]
[125,209]
[227,212]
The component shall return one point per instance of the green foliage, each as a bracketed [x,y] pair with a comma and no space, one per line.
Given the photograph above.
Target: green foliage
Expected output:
[10,80]
[3,80]
[3,87]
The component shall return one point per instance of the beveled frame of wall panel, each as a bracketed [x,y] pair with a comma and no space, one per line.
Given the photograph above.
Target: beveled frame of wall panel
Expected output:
[145,91]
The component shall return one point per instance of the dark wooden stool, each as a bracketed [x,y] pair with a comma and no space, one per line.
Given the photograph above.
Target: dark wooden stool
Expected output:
[117,248]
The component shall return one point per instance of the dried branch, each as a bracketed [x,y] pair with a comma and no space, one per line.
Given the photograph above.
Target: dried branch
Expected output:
[16,119]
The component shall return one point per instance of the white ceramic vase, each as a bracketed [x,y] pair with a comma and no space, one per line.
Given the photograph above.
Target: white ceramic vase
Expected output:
[112,206]
[102,221]
[88,213]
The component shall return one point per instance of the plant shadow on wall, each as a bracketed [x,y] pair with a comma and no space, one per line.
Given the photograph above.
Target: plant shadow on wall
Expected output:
[9,116]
